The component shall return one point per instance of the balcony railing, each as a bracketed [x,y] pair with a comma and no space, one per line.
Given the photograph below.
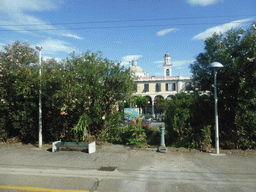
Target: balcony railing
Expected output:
[152,78]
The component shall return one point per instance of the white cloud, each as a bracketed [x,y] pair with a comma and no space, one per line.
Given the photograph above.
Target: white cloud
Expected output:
[14,16]
[165,31]
[128,58]
[221,28]
[179,63]
[18,5]
[49,58]
[52,46]
[202,2]
[175,63]
[71,35]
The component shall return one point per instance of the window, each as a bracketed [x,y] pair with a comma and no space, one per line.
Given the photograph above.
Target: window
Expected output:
[135,87]
[158,87]
[167,72]
[146,88]
[170,86]
[188,86]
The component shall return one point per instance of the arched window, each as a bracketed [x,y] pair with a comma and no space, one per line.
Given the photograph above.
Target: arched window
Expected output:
[167,72]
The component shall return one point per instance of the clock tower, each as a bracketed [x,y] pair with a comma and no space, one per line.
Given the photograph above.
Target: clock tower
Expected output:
[167,65]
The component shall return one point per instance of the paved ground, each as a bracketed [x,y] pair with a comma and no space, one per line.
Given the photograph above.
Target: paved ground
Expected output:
[136,169]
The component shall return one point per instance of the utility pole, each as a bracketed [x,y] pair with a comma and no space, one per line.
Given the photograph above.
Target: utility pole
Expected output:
[39,48]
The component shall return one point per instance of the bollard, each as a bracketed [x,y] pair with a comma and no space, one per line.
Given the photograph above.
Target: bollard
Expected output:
[162,148]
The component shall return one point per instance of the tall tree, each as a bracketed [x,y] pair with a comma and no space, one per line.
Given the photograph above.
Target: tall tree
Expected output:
[18,80]
[141,101]
[101,82]
[235,49]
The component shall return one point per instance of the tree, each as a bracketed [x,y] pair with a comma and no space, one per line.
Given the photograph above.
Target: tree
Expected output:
[141,101]
[18,79]
[80,92]
[101,83]
[188,120]
[235,49]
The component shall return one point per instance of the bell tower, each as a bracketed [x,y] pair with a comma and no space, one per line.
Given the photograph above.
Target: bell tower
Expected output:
[134,62]
[167,65]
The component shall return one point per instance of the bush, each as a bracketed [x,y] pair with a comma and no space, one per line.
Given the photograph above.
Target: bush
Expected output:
[71,90]
[188,121]
[132,134]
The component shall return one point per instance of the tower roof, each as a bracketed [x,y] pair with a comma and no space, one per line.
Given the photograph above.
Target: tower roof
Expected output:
[134,62]
[167,55]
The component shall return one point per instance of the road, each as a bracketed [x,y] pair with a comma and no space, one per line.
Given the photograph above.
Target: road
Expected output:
[136,170]
[157,124]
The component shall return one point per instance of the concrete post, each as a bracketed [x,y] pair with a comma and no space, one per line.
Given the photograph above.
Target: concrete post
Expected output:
[153,111]
[179,86]
[162,148]
[39,48]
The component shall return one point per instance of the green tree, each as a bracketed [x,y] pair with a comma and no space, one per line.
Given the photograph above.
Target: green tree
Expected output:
[81,92]
[141,101]
[188,120]
[19,82]
[235,49]
[100,84]
[59,112]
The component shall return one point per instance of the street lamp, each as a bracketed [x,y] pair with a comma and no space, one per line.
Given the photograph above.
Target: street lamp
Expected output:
[215,66]
[39,48]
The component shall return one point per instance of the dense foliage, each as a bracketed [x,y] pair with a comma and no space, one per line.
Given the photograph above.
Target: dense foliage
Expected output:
[141,101]
[188,121]
[133,134]
[236,50]
[79,94]
[19,89]
[99,84]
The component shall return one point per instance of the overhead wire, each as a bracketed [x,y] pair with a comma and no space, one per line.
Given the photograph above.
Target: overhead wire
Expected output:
[123,26]
[133,20]
[113,27]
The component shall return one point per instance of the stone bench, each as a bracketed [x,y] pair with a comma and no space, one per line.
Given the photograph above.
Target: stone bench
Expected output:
[58,144]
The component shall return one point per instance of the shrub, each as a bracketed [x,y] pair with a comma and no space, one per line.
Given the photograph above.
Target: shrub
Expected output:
[188,121]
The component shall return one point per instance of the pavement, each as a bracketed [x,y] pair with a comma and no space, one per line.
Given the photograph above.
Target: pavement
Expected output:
[135,169]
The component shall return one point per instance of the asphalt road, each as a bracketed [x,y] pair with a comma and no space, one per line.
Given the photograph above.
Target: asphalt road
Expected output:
[136,170]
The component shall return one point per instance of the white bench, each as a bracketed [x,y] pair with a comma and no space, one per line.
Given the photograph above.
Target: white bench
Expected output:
[58,144]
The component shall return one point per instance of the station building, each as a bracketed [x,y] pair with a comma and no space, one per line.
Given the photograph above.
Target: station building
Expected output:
[153,87]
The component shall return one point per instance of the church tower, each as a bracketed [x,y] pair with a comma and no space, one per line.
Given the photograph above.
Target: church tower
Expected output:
[167,65]
[134,62]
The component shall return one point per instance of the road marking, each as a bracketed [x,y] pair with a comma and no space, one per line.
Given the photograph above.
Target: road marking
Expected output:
[40,189]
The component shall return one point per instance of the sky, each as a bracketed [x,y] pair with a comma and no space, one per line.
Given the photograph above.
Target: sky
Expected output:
[123,30]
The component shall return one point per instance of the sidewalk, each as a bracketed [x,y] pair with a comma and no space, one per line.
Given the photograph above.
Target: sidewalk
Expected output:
[105,155]
[140,169]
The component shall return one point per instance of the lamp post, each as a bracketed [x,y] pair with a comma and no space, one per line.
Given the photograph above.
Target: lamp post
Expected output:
[39,48]
[215,66]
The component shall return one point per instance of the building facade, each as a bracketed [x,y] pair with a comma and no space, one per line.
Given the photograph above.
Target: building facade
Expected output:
[159,87]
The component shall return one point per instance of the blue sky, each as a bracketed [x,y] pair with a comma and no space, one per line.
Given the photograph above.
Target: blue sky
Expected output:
[123,29]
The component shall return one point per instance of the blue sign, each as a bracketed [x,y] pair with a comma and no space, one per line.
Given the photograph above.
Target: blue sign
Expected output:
[132,113]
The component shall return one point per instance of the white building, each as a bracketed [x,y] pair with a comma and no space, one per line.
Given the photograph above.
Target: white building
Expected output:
[159,87]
